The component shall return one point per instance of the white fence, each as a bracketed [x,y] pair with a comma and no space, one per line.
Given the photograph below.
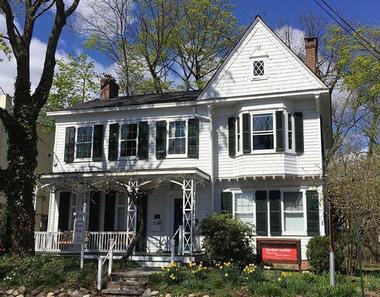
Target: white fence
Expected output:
[94,241]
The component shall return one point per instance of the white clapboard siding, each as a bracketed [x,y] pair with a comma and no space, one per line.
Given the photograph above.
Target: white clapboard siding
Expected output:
[284,72]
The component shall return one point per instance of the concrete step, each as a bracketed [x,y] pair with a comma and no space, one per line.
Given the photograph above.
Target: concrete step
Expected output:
[126,284]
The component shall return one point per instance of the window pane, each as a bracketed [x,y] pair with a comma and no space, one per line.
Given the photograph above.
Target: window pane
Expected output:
[177,146]
[129,131]
[290,140]
[245,217]
[258,68]
[289,122]
[177,129]
[263,122]
[244,207]
[83,150]
[294,222]
[293,201]
[261,142]
[84,134]
[128,148]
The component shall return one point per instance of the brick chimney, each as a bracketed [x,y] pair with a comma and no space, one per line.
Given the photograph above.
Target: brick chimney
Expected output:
[311,47]
[108,87]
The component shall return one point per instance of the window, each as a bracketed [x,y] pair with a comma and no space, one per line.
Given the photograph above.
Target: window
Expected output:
[177,137]
[262,131]
[128,140]
[293,212]
[84,143]
[121,213]
[244,210]
[258,68]
[290,131]
[238,134]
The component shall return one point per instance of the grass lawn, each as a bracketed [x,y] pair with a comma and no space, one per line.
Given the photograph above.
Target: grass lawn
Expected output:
[227,280]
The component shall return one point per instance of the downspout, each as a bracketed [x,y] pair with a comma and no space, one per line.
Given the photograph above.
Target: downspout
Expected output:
[209,119]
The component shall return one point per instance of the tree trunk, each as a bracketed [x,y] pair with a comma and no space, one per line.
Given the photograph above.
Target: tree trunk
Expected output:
[22,162]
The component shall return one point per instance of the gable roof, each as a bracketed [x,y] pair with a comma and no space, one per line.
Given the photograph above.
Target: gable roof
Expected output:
[171,97]
[211,89]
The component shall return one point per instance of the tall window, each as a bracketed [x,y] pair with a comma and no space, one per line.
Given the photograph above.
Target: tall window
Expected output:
[244,207]
[177,137]
[290,131]
[258,68]
[84,142]
[238,134]
[293,212]
[121,213]
[262,131]
[128,140]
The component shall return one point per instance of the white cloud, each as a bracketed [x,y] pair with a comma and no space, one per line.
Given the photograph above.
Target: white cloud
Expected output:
[293,37]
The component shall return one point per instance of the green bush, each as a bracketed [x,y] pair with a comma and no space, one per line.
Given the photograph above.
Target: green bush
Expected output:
[318,255]
[227,239]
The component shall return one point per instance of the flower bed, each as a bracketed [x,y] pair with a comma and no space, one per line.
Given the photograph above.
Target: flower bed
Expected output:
[225,279]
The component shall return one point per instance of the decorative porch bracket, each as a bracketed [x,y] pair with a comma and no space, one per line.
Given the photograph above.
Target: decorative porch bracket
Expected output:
[132,208]
[188,190]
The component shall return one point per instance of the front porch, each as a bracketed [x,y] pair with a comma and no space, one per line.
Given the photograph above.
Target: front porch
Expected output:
[167,202]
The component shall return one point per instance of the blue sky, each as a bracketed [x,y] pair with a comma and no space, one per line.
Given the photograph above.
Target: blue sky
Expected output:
[274,12]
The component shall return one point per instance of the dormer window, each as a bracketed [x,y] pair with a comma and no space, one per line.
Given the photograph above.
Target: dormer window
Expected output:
[258,68]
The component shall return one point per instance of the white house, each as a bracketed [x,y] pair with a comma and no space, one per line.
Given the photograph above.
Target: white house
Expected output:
[252,142]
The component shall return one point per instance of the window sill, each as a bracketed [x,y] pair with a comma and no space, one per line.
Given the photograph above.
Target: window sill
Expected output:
[176,156]
[84,160]
[267,152]
[292,233]
[129,158]
[259,78]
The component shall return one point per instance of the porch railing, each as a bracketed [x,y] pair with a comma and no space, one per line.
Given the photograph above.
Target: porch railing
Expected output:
[94,241]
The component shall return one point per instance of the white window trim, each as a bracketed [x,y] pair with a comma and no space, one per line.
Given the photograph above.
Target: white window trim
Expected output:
[304,210]
[75,142]
[291,150]
[255,58]
[256,113]
[168,155]
[240,191]
[120,157]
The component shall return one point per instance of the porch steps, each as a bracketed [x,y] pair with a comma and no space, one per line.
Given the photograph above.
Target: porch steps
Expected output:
[158,261]
[130,283]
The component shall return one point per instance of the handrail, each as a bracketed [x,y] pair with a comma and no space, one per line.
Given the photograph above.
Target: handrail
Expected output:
[108,256]
[172,243]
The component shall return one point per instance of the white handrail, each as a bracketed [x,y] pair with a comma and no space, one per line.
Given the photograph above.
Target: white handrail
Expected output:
[172,243]
[108,256]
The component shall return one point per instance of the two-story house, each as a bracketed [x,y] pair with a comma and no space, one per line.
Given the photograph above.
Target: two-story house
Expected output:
[252,143]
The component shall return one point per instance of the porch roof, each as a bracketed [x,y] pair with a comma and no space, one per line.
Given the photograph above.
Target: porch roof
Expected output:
[135,174]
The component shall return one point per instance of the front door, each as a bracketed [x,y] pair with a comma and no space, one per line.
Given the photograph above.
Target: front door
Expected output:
[178,214]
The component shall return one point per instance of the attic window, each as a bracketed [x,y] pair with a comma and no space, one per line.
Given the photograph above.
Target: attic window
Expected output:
[258,68]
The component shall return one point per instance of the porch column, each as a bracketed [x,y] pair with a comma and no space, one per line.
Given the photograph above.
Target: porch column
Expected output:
[132,209]
[188,219]
[53,211]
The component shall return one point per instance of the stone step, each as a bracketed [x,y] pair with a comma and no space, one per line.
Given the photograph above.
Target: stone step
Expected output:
[124,292]
[128,284]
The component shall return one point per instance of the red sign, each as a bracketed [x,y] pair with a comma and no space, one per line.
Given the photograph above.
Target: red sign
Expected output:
[279,251]
[269,254]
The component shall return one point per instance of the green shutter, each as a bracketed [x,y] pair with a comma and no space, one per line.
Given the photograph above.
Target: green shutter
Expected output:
[97,147]
[231,137]
[280,135]
[193,138]
[312,207]
[261,213]
[69,144]
[161,139]
[275,212]
[246,133]
[226,202]
[143,145]
[113,142]
[298,126]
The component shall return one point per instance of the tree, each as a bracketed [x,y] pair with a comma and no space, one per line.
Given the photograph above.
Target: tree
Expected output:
[18,180]
[206,32]
[109,33]
[75,81]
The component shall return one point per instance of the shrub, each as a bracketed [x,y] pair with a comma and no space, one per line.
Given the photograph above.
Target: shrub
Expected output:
[318,255]
[227,239]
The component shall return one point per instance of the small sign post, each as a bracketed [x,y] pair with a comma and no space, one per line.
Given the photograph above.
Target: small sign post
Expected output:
[79,232]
